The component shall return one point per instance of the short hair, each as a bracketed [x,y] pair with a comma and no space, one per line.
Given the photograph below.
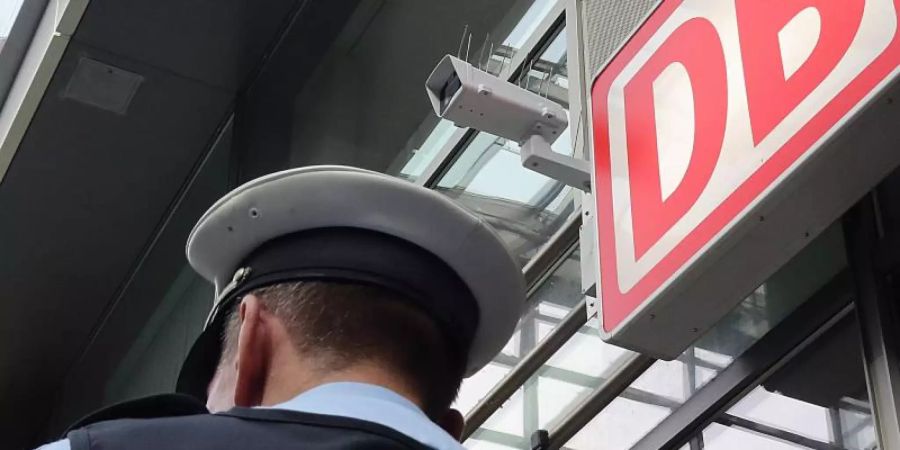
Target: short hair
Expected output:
[340,324]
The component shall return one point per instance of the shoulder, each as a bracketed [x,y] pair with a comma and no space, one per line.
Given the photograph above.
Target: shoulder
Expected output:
[241,428]
[194,423]
[372,404]
[119,433]
[322,428]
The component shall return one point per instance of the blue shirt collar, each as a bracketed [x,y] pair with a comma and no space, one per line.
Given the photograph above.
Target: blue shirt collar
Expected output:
[373,404]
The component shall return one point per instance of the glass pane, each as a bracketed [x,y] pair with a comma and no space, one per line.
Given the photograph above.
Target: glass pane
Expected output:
[529,23]
[420,158]
[721,437]
[506,421]
[476,444]
[9,10]
[784,412]
[857,425]
[763,309]
[474,388]
[548,74]
[526,15]
[668,384]
[818,399]
[576,369]
[586,354]
[550,303]
[619,425]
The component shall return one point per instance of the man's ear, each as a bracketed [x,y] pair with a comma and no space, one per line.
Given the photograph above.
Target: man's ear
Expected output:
[452,422]
[252,354]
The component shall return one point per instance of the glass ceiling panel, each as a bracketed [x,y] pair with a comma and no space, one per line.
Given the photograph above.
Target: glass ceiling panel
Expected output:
[668,384]
[527,208]
[547,306]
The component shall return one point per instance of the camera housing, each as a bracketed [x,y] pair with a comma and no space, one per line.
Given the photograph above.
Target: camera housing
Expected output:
[472,98]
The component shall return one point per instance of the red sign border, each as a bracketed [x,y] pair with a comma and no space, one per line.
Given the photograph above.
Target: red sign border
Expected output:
[617,306]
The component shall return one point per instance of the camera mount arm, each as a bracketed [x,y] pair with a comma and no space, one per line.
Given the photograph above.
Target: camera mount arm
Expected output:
[538,156]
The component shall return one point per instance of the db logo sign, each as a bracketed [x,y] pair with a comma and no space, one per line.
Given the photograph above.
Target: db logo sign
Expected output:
[710,106]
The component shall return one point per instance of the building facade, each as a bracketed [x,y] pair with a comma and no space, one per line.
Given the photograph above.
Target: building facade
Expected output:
[123,120]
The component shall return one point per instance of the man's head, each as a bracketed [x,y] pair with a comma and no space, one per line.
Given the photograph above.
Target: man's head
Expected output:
[387,232]
[287,337]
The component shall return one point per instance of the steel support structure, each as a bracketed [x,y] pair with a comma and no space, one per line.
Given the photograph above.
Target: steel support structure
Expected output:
[873,252]
[810,320]
[871,231]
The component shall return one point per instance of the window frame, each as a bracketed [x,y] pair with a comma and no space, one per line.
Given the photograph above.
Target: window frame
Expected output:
[17,43]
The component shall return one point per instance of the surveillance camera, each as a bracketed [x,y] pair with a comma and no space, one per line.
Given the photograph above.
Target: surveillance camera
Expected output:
[470,97]
[473,98]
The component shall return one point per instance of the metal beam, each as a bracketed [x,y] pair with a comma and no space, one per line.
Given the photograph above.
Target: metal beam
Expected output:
[864,232]
[18,42]
[37,66]
[577,418]
[777,433]
[526,367]
[552,254]
[499,437]
[815,316]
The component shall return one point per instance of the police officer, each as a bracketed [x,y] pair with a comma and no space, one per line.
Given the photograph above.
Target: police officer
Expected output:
[349,306]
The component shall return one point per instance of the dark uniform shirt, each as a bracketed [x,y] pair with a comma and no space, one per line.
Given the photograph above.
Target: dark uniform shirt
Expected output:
[363,403]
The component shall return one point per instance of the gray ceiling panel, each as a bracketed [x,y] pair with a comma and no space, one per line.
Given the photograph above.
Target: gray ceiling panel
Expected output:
[226,37]
[82,197]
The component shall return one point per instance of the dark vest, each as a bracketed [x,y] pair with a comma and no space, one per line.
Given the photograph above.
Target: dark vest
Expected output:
[239,429]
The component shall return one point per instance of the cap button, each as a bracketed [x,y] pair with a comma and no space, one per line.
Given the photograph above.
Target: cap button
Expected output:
[240,275]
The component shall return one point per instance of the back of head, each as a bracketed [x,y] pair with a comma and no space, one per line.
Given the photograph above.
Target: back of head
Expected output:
[336,326]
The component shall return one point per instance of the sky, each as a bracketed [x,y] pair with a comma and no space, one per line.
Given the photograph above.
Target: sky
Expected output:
[8,11]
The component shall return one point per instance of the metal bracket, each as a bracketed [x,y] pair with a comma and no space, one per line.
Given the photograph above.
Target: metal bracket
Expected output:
[591,306]
[538,156]
[540,440]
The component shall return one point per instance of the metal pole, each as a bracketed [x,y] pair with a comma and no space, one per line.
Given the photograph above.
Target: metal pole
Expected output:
[577,418]
[866,240]
[535,272]
[690,368]
[778,433]
[527,341]
[548,257]
[570,325]
[837,429]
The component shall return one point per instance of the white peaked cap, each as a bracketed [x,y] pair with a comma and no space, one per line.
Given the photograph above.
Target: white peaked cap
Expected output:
[349,224]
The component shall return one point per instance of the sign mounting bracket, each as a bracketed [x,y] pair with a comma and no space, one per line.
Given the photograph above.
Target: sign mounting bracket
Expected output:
[537,155]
